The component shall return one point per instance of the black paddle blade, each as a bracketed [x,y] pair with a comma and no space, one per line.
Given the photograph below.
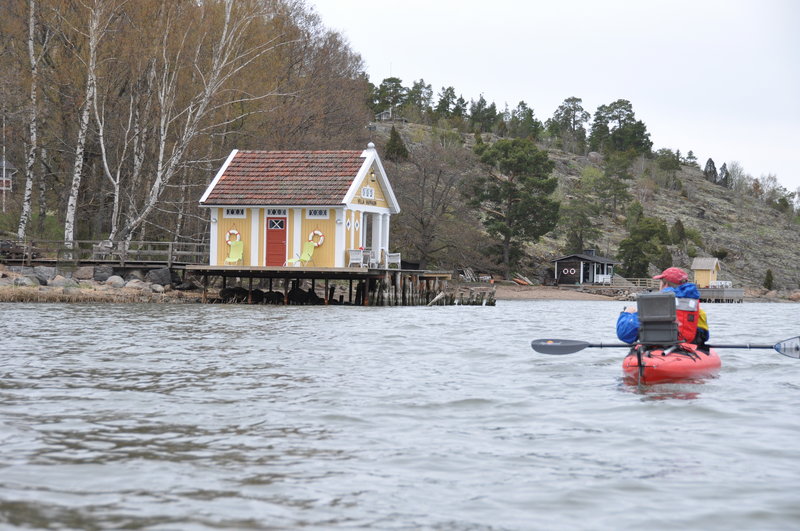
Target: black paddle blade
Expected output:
[558,346]
[789,347]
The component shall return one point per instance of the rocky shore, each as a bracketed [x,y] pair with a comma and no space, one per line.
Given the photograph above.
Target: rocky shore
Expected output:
[94,284]
[99,284]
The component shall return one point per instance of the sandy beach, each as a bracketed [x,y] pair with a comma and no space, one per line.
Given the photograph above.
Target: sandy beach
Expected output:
[514,292]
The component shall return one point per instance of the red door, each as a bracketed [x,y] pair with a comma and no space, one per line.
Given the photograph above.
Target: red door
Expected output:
[276,241]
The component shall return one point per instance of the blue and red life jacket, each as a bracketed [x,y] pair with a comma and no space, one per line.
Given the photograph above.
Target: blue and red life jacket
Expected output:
[687,304]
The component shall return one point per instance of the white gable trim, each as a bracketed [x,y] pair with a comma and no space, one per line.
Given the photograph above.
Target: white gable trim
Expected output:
[218,176]
[371,155]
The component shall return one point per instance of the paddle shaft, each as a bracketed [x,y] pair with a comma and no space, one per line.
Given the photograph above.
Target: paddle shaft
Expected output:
[624,345]
[789,347]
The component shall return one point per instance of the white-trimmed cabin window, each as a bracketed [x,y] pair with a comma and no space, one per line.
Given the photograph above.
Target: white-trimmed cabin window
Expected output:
[234,213]
[317,213]
[368,192]
[276,211]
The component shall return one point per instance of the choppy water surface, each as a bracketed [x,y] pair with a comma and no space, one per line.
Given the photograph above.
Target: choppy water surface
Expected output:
[236,417]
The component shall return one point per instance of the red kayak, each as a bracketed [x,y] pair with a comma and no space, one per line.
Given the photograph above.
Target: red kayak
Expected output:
[681,362]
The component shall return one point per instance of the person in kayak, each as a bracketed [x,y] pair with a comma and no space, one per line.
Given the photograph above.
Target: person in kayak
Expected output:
[692,322]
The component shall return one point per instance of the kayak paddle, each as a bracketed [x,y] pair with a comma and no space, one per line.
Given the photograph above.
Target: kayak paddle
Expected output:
[787,347]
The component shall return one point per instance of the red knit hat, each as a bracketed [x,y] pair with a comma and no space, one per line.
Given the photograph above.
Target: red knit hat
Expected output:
[675,275]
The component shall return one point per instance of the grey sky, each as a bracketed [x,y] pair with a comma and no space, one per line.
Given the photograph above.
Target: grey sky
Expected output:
[720,78]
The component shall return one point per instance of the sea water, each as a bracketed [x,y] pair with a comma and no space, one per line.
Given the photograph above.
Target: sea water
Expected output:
[261,417]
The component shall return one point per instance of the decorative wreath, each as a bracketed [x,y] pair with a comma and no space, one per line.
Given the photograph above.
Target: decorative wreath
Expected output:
[316,233]
[233,233]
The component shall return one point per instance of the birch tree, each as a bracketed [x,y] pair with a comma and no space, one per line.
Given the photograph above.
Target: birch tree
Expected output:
[99,12]
[123,133]
[33,119]
[180,120]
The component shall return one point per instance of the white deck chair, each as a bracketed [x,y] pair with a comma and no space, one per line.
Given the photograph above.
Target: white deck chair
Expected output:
[393,258]
[355,257]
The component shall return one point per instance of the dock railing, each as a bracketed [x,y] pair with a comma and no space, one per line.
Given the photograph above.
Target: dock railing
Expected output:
[643,283]
[105,251]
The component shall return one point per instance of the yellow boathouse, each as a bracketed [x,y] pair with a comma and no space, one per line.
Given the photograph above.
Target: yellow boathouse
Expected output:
[705,271]
[315,208]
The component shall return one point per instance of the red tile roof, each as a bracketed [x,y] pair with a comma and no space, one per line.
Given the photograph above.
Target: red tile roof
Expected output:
[286,178]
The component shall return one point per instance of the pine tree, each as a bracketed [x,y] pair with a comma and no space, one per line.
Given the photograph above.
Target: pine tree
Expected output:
[710,171]
[515,196]
[678,232]
[395,148]
[769,281]
[724,175]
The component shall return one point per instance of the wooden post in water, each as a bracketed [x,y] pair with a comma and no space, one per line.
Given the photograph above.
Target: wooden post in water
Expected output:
[250,290]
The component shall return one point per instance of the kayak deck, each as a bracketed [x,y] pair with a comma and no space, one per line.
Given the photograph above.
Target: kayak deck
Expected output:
[685,362]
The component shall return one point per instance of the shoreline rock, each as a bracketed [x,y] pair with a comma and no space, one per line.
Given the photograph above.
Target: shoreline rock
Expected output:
[25,286]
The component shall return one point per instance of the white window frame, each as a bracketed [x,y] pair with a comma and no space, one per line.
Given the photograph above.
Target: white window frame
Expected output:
[318,213]
[368,192]
[234,213]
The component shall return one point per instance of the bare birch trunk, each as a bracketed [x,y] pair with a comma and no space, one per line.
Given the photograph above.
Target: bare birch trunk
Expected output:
[228,57]
[30,160]
[77,169]
[40,222]
[114,176]
[98,21]
[181,207]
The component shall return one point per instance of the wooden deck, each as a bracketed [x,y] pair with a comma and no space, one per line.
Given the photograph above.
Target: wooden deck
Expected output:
[721,295]
[364,286]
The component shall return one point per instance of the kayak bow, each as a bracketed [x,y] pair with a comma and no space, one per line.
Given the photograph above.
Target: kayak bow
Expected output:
[658,365]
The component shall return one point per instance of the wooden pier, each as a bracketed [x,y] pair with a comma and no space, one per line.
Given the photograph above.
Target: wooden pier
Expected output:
[253,284]
[721,295]
[352,286]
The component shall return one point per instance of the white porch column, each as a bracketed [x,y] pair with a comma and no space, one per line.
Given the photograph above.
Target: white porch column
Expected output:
[296,236]
[385,235]
[339,215]
[377,231]
[350,215]
[254,239]
[212,243]
[362,231]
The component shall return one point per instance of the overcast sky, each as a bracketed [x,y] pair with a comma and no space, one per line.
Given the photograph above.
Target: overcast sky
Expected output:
[720,78]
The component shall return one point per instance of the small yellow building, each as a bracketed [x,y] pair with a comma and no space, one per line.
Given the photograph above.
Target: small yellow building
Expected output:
[276,201]
[705,271]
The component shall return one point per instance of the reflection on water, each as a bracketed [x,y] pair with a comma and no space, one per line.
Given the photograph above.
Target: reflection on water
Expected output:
[685,390]
[238,417]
